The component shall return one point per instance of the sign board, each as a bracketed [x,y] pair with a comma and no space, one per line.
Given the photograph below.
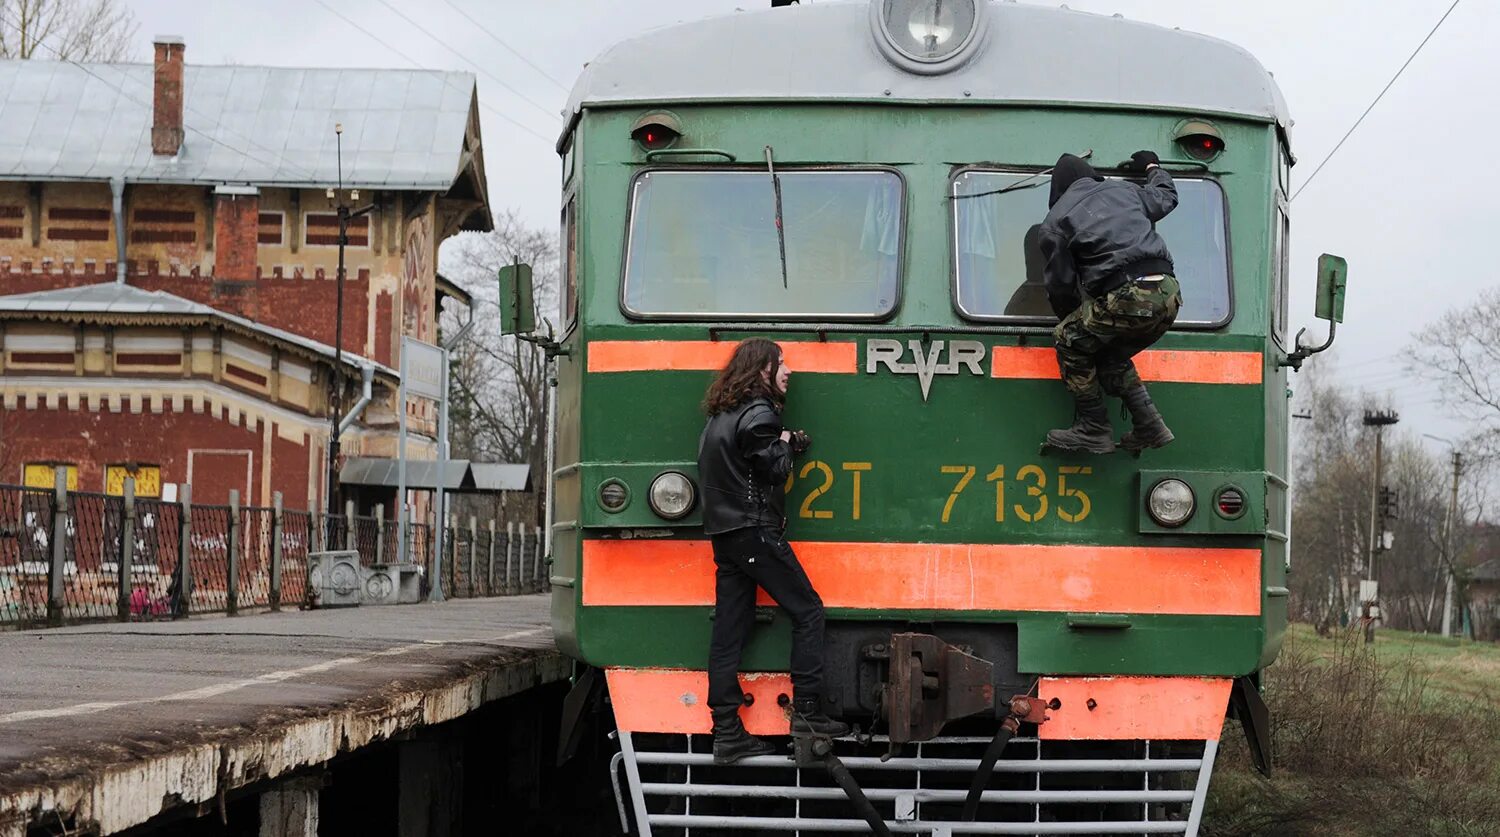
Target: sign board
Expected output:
[423,365]
[517,314]
[1369,591]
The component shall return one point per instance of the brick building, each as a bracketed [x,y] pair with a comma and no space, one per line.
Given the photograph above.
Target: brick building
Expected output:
[168,259]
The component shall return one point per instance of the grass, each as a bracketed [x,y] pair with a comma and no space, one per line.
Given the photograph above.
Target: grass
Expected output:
[1398,738]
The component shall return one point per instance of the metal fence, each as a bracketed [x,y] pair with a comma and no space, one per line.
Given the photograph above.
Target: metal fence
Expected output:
[71,556]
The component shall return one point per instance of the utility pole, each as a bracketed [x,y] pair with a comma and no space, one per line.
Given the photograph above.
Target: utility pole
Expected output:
[1449,529]
[1380,420]
[1448,556]
[336,398]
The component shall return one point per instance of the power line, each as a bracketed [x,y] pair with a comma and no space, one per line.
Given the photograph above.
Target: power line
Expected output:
[475,64]
[414,62]
[121,90]
[501,42]
[1388,84]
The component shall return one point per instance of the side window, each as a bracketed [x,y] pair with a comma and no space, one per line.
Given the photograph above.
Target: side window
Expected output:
[1280,259]
[569,295]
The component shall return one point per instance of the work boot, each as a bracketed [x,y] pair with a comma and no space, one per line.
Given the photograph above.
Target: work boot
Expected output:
[1147,428]
[732,743]
[1090,432]
[808,719]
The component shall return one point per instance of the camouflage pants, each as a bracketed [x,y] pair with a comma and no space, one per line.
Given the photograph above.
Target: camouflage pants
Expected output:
[1095,343]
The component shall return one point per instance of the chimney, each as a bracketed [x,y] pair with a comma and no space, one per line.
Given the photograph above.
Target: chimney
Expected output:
[166,100]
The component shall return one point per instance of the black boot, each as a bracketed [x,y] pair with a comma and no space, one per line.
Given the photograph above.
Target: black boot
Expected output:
[1147,428]
[1090,432]
[808,719]
[732,743]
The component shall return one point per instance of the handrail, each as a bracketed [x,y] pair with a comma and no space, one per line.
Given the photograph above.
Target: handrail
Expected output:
[689,152]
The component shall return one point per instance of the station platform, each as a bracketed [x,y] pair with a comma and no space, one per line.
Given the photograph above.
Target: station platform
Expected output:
[103,727]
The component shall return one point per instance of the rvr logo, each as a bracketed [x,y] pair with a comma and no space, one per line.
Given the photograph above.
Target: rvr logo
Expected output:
[939,357]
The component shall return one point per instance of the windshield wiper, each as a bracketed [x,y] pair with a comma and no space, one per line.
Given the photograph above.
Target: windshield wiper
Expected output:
[1018,185]
[780,233]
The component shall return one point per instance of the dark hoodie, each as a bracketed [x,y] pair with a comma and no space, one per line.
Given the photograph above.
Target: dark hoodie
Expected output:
[1097,231]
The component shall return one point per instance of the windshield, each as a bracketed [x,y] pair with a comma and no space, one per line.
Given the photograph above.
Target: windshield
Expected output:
[999,263]
[704,244]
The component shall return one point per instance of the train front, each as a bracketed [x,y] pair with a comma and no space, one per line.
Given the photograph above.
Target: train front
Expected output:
[892,152]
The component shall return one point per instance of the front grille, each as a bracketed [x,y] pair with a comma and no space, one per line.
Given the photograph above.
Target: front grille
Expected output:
[1039,787]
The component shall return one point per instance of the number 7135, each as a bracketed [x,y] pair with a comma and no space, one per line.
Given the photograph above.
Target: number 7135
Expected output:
[1072,506]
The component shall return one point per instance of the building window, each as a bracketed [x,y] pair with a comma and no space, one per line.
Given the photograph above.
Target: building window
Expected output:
[147,480]
[10,221]
[43,475]
[168,226]
[77,223]
[322,230]
[272,228]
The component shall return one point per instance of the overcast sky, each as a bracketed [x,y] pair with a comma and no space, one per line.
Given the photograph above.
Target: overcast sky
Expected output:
[1398,200]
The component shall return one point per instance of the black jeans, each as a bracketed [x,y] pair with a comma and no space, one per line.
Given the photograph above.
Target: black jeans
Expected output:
[748,558]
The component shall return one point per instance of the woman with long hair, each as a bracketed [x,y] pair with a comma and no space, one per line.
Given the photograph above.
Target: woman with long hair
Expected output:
[744,458]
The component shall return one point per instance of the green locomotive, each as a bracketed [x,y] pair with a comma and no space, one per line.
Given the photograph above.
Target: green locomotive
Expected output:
[860,182]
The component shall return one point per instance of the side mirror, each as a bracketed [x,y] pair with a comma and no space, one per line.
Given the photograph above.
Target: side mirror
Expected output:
[517,313]
[1333,275]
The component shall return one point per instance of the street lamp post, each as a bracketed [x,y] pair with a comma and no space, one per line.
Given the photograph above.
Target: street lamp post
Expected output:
[336,397]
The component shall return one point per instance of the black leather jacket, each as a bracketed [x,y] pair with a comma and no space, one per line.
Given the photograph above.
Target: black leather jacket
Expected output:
[742,466]
[1099,233]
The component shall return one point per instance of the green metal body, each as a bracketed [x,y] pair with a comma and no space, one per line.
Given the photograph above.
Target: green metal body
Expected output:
[631,425]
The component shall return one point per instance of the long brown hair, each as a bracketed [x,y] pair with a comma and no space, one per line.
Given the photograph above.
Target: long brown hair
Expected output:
[744,378]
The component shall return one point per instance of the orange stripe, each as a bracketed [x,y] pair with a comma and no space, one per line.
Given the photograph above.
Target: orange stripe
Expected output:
[1125,708]
[1160,708]
[1110,579]
[711,355]
[1167,365]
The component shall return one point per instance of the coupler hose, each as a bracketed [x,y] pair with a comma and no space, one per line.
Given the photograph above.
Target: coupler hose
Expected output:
[823,749]
[1022,708]
[987,767]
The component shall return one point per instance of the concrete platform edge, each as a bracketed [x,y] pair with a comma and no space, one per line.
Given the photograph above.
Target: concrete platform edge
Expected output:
[113,797]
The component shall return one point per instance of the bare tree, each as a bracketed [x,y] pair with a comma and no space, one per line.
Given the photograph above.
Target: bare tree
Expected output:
[500,387]
[75,30]
[1463,349]
[1334,473]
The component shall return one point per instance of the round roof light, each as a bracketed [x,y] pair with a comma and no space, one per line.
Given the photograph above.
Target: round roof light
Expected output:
[927,36]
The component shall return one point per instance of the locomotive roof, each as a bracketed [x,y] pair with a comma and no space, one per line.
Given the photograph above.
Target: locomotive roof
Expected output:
[1032,54]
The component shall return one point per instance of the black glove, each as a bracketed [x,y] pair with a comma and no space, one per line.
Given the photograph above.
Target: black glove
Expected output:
[800,442]
[1140,160]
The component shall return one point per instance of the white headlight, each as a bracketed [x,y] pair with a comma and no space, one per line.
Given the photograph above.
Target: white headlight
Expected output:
[1171,502]
[928,30]
[672,495]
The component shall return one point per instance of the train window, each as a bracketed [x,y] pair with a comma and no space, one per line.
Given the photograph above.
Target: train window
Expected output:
[569,299]
[1281,258]
[998,258]
[703,245]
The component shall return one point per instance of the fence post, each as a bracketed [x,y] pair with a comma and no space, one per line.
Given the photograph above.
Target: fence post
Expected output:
[350,541]
[380,534]
[274,596]
[184,602]
[232,580]
[473,545]
[127,548]
[315,531]
[58,565]
[489,570]
[510,550]
[536,560]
